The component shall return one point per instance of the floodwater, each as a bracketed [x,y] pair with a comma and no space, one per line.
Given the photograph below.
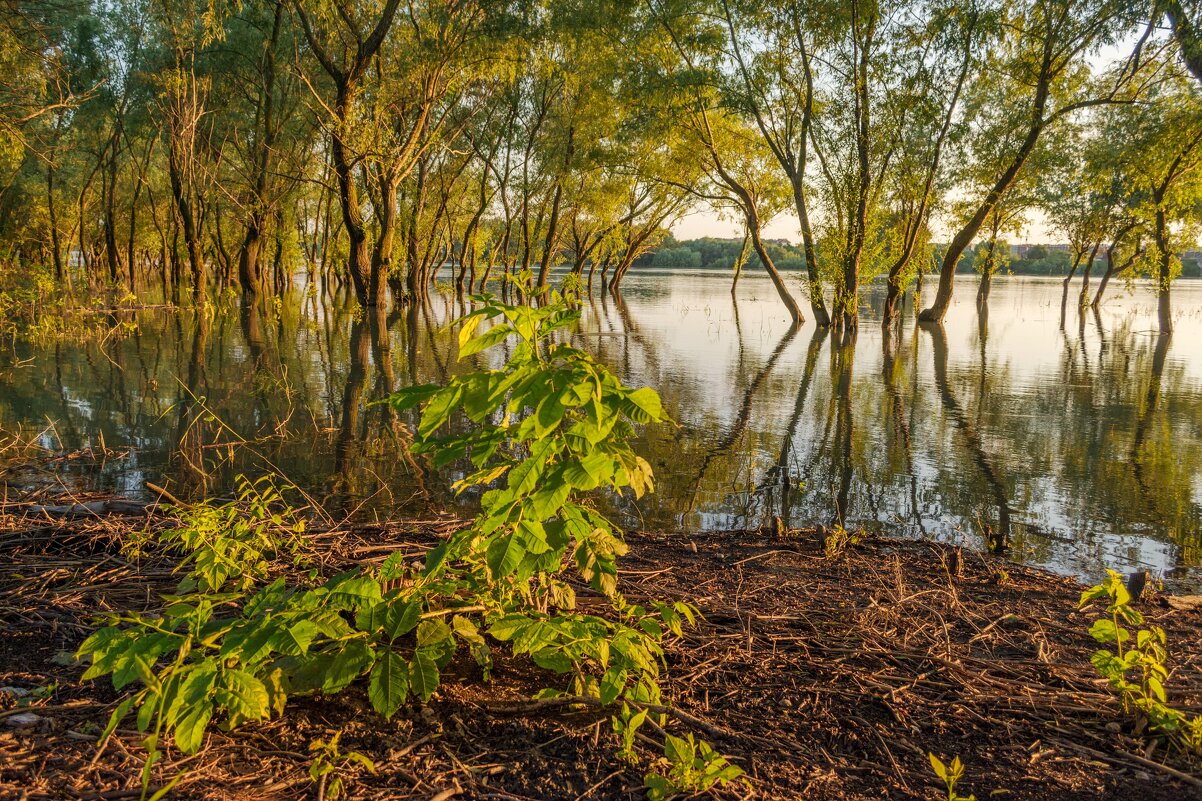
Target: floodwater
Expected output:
[1079,438]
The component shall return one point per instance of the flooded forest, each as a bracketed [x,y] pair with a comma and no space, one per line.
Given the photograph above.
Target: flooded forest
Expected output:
[557,399]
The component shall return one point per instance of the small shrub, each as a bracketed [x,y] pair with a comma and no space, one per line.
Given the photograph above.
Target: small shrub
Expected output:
[1136,667]
[332,769]
[691,767]
[546,428]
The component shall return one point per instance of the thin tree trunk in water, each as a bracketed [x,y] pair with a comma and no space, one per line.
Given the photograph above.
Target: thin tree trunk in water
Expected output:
[358,261]
[822,317]
[188,223]
[381,257]
[592,268]
[964,237]
[109,183]
[544,267]
[753,225]
[1093,255]
[55,245]
[1077,257]
[414,282]
[984,287]
[1112,267]
[740,261]
[1164,264]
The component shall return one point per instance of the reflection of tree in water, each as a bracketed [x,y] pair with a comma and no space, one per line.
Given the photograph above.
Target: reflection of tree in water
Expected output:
[969,431]
[843,352]
[780,475]
[738,427]
[1103,440]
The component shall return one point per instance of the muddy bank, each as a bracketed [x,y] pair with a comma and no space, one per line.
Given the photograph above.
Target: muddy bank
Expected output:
[824,676]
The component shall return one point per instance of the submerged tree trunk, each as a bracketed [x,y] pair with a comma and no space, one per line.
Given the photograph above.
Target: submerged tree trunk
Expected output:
[1083,301]
[1164,265]
[1077,257]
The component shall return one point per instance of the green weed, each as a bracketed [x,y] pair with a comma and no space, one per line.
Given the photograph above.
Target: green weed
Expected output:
[332,769]
[950,775]
[691,767]
[1136,668]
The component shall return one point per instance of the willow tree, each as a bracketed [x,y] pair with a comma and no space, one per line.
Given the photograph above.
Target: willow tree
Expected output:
[1043,48]
[345,37]
[732,154]
[261,126]
[1163,162]
[773,48]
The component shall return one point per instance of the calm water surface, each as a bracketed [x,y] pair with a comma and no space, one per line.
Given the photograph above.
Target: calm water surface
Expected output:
[1081,439]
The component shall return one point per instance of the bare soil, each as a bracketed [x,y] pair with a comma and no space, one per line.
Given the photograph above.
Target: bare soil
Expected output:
[825,677]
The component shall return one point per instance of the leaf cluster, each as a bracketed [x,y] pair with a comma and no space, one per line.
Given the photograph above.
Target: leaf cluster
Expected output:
[1137,668]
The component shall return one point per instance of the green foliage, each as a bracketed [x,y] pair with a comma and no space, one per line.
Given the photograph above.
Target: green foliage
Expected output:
[547,427]
[331,768]
[1136,665]
[837,540]
[691,767]
[231,543]
[950,775]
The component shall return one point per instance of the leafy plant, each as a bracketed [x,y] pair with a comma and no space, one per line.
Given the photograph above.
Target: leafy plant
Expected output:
[545,428]
[837,540]
[332,768]
[950,775]
[1137,668]
[230,543]
[692,767]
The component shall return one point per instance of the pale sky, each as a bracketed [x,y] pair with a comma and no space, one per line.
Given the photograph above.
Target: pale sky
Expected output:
[705,222]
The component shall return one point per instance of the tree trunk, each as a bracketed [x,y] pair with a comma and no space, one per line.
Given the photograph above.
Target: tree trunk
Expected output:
[1164,264]
[1083,301]
[358,261]
[963,238]
[55,245]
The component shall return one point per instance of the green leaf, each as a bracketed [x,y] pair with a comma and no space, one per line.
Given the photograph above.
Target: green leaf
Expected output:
[649,407]
[587,473]
[295,640]
[493,336]
[439,409]
[550,659]
[351,590]
[409,397]
[938,766]
[423,675]
[1104,630]
[402,618]
[612,684]
[349,663]
[508,627]
[504,554]
[389,684]
[243,696]
[190,729]
[432,632]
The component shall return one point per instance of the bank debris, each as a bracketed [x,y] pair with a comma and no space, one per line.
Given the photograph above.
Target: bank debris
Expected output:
[826,675]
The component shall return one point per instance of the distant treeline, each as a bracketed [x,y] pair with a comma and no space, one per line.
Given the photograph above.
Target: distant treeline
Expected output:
[712,253]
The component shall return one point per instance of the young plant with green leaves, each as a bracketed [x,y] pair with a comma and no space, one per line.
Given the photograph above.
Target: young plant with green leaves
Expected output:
[544,429]
[690,766]
[950,775]
[332,768]
[1136,668]
[231,543]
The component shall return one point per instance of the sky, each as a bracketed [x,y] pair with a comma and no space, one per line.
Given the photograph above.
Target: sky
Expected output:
[705,222]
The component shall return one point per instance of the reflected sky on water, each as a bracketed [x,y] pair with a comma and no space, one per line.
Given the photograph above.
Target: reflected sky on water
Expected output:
[1076,438]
